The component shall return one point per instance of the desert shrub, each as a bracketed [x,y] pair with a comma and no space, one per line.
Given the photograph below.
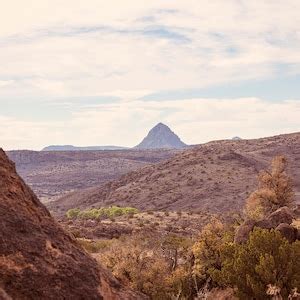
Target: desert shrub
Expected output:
[94,246]
[207,250]
[73,213]
[181,283]
[140,263]
[275,190]
[152,265]
[267,259]
[103,212]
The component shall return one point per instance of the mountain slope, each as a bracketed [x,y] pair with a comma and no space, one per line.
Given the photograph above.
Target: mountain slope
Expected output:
[216,177]
[38,260]
[52,174]
[161,136]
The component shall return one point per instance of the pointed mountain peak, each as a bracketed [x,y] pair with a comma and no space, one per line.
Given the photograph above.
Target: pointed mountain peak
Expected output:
[160,125]
[161,136]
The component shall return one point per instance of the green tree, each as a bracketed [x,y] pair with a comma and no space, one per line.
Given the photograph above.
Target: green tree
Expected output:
[267,259]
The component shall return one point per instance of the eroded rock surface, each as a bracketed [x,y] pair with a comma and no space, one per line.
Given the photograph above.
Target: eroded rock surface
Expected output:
[38,260]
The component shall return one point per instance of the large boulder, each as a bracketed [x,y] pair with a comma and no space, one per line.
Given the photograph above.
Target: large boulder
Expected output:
[296,211]
[243,231]
[264,224]
[38,259]
[288,231]
[281,215]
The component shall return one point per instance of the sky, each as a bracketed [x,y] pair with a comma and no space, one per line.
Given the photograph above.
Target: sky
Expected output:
[99,72]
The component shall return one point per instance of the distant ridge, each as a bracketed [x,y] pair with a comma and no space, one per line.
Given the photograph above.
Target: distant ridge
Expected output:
[159,137]
[74,148]
[216,177]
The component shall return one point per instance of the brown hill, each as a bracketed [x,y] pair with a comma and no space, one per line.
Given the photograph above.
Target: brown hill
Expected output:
[216,177]
[38,260]
[52,174]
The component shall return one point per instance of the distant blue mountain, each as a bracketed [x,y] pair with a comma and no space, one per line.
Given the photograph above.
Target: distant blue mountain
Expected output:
[159,137]
[74,148]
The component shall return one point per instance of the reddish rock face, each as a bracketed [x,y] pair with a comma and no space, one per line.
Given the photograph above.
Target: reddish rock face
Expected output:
[38,260]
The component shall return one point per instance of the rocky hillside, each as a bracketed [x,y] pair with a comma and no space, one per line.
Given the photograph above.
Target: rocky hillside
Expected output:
[216,177]
[51,174]
[161,136]
[38,260]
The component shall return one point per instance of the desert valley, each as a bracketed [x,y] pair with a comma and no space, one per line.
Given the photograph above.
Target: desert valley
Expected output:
[150,150]
[106,200]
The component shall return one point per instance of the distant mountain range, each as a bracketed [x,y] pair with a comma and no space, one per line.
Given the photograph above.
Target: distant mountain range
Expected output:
[159,137]
[75,148]
[236,138]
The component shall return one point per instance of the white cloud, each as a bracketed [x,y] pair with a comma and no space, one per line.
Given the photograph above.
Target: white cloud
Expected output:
[92,47]
[126,122]
[73,48]
[4,83]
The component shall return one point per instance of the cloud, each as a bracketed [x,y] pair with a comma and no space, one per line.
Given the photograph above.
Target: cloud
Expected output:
[4,83]
[126,122]
[91,47]
[118,52]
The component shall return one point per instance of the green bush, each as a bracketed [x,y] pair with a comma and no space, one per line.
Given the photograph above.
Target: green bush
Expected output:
[208,249]
[73,213]
[267,259]
[103,212]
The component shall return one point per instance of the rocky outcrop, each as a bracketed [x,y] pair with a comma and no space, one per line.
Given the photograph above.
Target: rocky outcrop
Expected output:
[281,215]
[281,220]
[296,211]
[38,260]
[288,231]
[243,231]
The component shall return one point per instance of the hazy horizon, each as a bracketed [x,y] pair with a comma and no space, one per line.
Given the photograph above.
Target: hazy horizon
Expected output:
[92,73]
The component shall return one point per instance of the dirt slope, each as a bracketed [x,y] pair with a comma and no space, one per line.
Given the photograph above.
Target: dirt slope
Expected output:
[38,260]
[52,174]
[216,177]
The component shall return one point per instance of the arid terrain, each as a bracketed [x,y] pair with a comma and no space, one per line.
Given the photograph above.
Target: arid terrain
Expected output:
[184,224]
[215,177]
[38,259]
[52,174]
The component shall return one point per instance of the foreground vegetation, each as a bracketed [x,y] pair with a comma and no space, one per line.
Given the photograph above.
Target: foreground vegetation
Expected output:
[169,266]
